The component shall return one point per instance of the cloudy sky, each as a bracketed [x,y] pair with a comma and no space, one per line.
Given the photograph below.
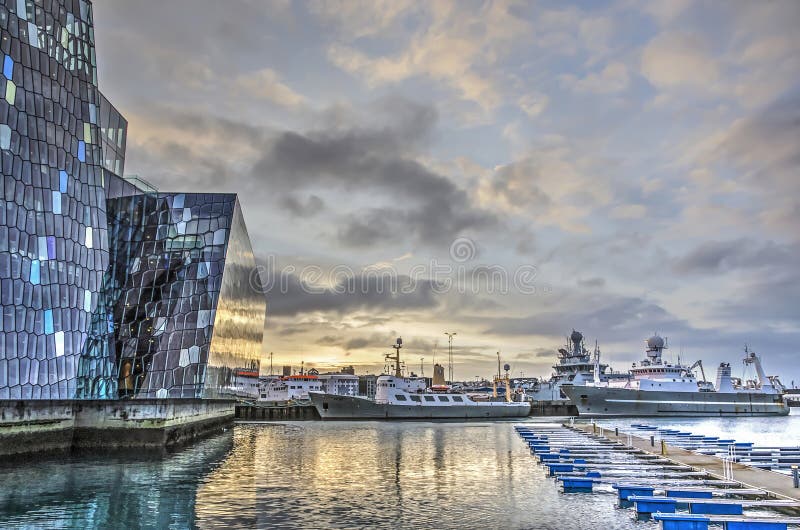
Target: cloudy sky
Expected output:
[503,170]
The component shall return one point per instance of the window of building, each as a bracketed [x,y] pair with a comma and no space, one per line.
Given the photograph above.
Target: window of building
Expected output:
[416,398]
[5,136]
[458,399]
[430,398]
[444,398]
[400,397]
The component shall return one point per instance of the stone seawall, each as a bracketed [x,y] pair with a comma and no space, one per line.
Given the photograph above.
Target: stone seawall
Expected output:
[33,426]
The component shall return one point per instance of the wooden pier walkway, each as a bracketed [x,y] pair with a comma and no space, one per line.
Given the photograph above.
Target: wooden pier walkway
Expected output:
[774,483]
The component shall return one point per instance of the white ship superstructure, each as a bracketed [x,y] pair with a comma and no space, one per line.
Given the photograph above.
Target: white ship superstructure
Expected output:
[576,365]
[654,373]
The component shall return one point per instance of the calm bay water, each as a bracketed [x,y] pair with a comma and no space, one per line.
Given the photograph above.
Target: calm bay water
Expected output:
[323,475]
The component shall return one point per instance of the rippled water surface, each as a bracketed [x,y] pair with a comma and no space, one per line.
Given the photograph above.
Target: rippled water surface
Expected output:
[314,475]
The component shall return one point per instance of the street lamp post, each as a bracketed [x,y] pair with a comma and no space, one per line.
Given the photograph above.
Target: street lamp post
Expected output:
[450,354]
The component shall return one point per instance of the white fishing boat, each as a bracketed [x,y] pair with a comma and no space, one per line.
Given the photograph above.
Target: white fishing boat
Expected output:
[399,397]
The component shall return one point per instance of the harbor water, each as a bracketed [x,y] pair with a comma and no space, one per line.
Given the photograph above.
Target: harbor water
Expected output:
[329,475]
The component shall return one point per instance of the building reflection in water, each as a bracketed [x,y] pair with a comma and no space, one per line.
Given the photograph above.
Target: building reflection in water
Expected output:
[112,490]
[353,474]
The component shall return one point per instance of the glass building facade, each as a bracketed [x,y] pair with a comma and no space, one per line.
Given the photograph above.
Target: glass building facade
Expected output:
[106,289]
[182,294]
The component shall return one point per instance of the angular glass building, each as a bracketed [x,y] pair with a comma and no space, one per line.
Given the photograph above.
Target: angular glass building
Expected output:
[107,289]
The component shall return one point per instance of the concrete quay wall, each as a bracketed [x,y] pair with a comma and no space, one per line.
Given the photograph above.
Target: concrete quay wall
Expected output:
[34,426]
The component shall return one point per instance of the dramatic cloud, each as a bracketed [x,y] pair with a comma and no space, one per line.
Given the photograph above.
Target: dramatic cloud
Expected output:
[674,60]
[266,84]
[424,204]
[454,47]
[612,78]
[764,146]
[612,318]
[291,295]
[299,208]
[641,158]
[714,257]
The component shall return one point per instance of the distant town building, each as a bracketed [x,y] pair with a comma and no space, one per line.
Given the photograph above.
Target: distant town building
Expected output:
[340,384]
[349,370]
[287,370]
[367,385]
[438,375]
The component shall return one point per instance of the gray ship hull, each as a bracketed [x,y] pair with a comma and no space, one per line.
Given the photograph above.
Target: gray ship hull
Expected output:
[334,407]
[603,402]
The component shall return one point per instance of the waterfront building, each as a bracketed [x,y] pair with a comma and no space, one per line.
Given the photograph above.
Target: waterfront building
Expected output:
[367,385]
[438,375]
[340,384]
[108,288]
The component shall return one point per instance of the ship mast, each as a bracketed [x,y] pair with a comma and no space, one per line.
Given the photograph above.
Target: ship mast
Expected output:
[396,356]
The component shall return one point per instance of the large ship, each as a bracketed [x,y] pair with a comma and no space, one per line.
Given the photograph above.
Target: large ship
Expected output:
[399,397]
[657,388]
[576,366]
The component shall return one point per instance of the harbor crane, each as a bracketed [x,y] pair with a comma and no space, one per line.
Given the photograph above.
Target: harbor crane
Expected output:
[698,364]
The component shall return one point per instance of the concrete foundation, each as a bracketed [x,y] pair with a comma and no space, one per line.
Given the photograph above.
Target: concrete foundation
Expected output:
[553,408]
[261,413]
[33,426]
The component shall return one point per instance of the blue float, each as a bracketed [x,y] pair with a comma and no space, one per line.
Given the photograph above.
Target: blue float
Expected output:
[689,494]
[576,484]
[716,508]
[648,505]
[628,490]
[755,525]
[559,468]
[671,521]
[549,457]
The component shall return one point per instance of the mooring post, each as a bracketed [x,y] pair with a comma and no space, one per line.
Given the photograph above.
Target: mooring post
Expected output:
[663,447]
[594,428]
[652,441]
[796,476]
[616,431]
